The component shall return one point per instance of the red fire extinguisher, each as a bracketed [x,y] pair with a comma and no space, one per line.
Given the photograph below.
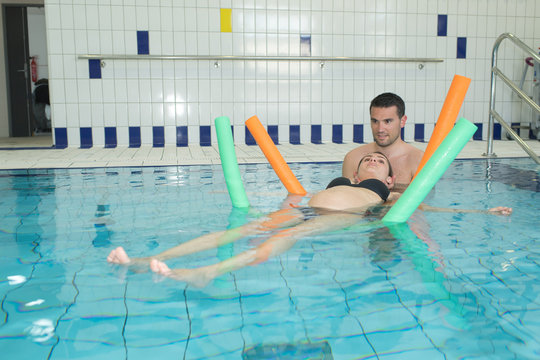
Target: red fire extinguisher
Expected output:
[33,68]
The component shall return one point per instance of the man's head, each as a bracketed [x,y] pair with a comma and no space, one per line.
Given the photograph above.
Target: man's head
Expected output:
[387,113]
[375,165]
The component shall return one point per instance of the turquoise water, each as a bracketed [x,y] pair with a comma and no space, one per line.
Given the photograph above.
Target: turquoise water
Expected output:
[443,286]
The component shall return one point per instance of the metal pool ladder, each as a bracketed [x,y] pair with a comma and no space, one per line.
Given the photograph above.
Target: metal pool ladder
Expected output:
[493,114]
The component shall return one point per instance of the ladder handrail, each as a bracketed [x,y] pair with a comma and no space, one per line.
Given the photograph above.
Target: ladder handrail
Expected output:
[493,115]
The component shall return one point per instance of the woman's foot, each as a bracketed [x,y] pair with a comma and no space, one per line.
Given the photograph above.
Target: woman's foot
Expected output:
[118,256]
[199,277]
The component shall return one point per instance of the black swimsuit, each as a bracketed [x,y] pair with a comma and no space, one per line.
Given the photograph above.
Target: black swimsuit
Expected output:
[375,185]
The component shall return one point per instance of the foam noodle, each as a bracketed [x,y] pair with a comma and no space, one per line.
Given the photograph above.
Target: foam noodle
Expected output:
[229,163]
[275,159]
[433,279]
[447,117]
[432,172]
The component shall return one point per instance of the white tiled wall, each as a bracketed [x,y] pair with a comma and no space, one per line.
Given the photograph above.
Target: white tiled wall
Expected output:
[149,93]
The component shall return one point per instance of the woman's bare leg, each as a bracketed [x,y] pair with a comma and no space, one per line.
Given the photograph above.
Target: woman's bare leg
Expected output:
[275,245]
[275,220]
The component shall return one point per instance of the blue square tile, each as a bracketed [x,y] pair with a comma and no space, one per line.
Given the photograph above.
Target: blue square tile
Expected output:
[110,137]
[419,132]
[250,140]
[294,134]
[461,47]
[94,67]
[337,134]
[403,133]
[60,138]
[478,134]
[358,133]
[181,136]
[134,136]
[86,137]
[205,138]
[158,136]
[273,132]
[143,47]
[316,134]
[442,25]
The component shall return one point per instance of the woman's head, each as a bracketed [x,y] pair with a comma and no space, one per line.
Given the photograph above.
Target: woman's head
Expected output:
[375,165]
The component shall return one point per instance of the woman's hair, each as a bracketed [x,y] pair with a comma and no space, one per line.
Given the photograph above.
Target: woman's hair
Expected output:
[390,171]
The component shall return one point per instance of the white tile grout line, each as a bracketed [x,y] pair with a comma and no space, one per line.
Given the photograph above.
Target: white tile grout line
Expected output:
[197,155]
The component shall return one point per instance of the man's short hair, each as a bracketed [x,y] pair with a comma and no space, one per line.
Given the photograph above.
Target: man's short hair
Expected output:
[387,100]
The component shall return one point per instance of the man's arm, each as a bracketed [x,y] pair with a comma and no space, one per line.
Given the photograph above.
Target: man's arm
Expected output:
[351,160]
[347,169]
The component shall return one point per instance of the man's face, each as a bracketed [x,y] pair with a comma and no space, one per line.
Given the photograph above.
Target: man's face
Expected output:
[386,125]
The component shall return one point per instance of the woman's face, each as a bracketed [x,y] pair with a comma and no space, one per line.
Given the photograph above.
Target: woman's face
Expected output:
[374,166]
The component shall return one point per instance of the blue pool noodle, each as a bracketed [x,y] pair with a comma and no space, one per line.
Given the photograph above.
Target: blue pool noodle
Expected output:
[229,163]
[432,171]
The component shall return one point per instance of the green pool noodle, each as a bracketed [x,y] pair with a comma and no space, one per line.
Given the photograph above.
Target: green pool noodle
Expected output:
[229,163]
[433,279]
[432,171]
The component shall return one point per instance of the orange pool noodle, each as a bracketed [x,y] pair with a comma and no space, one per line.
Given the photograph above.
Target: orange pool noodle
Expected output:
[447,117]
[273,156]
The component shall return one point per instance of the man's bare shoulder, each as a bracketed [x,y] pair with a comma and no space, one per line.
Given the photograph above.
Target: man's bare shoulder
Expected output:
[353,157]
[360,150]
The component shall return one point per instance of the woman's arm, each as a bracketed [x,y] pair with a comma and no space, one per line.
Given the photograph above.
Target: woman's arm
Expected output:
[499,210]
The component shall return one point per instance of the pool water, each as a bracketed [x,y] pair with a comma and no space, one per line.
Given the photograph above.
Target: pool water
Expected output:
[442,286]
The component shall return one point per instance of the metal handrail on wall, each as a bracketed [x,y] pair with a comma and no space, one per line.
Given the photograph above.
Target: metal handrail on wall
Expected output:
[493,114]
[218,58]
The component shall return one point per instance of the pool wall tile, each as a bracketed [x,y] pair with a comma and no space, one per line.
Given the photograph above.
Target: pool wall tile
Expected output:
[182,136]
[226,20]
[134,136]
[86,137]
[478,134]
[317,96]
[461,47]
[305,44]
[158,136]
[419,132]
[250,140]
[143,45]
[110,137]
[337,134]
[316,134]
[273,133]
[497,132]
[205,136]
[94,68]
[60,138]
[294,134]
[442,25]
[358,133]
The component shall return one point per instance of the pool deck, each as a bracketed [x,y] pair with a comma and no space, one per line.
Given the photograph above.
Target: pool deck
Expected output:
[37,153]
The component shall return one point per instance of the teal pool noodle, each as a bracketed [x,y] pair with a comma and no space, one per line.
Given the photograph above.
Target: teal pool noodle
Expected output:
[229,163]
[437,164]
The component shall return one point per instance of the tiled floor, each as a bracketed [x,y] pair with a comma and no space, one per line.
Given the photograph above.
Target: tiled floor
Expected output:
[37,152]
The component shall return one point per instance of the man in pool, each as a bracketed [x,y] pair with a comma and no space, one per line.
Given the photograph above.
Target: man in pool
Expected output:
[341,205]
[387,112]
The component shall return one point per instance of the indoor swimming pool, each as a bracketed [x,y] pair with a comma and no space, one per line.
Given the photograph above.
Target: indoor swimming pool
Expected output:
[442,286]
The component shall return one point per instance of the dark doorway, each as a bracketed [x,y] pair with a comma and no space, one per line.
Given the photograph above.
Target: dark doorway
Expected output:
[18,71]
